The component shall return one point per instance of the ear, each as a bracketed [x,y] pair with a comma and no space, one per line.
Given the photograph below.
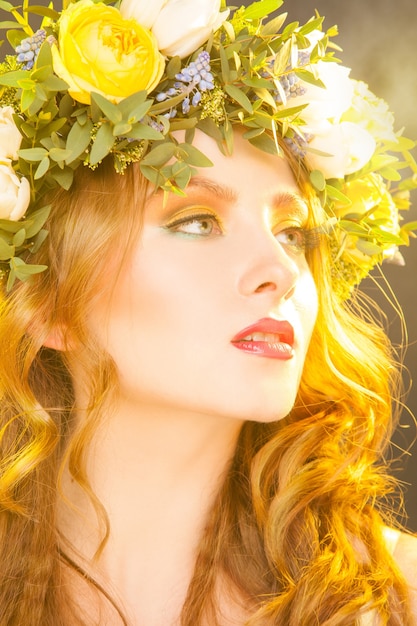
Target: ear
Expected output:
[59,339]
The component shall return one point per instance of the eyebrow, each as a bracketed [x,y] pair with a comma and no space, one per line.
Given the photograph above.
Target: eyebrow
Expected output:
[293,202]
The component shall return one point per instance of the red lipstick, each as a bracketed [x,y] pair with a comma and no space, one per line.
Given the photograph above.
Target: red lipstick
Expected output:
[267,337]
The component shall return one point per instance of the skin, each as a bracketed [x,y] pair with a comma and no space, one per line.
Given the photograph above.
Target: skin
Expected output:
[158,459]
[185,390]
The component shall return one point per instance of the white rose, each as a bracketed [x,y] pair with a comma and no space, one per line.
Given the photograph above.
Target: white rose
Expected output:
[180,26]
[346,146]
[10,138]
[14,194]
[372,113]
[143,11]
[330,102]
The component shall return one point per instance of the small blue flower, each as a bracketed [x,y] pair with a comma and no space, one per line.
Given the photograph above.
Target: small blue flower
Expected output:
[28,49]
[191,81]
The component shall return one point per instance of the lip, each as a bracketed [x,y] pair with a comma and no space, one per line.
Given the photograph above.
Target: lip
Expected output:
[281,346]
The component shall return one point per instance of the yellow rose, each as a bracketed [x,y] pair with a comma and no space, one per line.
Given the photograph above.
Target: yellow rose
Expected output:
[99,51]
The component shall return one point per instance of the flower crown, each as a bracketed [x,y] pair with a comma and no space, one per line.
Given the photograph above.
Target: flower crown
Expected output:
[103,78]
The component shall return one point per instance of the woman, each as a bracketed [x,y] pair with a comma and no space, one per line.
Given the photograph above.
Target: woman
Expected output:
[193,415]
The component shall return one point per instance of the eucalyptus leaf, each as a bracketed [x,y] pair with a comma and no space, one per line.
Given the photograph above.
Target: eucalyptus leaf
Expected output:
[12,79]
[64,177]
[265,143]
[38,241]
[128,106]
[19,238]
[6,251]
[173,67]
[182,173]
[33,154]
[159,155]
[121,129]
[37,219]
[59,154]
[109,109]
[317,180]
[143,131]
[42,168]
[368,248]
[194,156]
[79,139]
[102,145]
[336,194]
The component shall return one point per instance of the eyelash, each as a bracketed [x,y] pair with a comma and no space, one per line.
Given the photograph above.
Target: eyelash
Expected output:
[197,217]
[306,238]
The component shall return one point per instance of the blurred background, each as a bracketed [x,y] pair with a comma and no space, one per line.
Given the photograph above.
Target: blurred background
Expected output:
[379,41]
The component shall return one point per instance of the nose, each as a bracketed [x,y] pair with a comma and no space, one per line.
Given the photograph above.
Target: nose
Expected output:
[268,268]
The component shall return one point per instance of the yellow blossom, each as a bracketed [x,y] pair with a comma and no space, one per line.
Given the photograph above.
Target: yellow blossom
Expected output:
[99,51]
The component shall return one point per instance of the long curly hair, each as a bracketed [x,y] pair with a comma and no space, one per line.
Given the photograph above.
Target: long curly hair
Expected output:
[297,527]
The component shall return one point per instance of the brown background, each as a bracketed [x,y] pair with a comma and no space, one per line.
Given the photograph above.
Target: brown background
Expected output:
[379,41]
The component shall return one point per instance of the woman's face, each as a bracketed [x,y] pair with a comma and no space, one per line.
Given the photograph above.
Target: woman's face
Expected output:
[215,310]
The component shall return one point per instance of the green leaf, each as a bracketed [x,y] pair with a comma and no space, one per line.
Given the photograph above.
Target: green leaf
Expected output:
[368,248]
[63,177]
[309,77]
[257,83]
[19,238]
[194,156]
[274,26]
[260,9]
[143,131]
[121,129]
[317,180]
[42,168]
[33,154]
[24,271]
[79,139]
[102,145]
[150,173]
[11,79]
[265,143]
[6,25]
[109,109]
[128,106]
[6,251]
[410,226]
[37,219]
[6,6]
[59,154]
[237,94]
[336,194]
[224,64]
[182,174]
[53,83]
[43,11]
[40,238]
[160,154]
[173,67]
[45,56]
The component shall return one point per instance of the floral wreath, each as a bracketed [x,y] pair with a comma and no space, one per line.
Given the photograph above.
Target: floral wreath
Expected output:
[118,78]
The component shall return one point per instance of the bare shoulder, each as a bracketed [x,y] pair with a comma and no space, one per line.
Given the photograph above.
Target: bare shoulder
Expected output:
[405,554]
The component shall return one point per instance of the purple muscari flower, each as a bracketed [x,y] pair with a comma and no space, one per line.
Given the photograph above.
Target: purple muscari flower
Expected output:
[28,49]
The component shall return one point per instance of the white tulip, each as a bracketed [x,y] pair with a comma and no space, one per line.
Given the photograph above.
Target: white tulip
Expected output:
[14,194]
[182,26]
[10,138]
[346,146]
[143,11]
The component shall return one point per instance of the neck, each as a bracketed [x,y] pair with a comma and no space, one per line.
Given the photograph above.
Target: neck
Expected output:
[157,474]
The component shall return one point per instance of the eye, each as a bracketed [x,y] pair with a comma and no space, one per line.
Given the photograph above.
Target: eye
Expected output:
[196,224]
[295,238]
